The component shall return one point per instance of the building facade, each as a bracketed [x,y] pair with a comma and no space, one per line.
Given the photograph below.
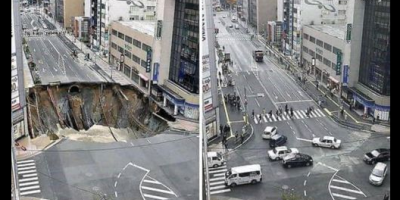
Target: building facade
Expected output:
[131,42]
[274,33]
[81,29]
[260,12]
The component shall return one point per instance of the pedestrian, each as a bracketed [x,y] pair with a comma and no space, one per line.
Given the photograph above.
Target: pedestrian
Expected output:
[226,146]
[220,82]
[286,107]
[260,121]
[350,107]
[270,113]
[241,138]
[341,111]
[252,113]
[264,112]
[219,73]
[386,197]
[277,112]
[377,118]
[236,135]
[221,128]
[291,112]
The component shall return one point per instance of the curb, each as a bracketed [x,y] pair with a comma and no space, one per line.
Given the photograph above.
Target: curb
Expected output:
[244,142]
[41,150]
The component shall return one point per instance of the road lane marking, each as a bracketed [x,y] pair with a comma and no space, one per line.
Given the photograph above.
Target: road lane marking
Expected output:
[217,171]
[25,161]
[306,140]
[305,182]
[217,183]
[29,188]
[29,183]
[303,113]
[329,113]
[26,168]
[29,175]
[26,165]
[295,114]
[334,169]
[322,113]
[27,172]
[340,181]
[217,187]
[28,179]
[139,167]
[119,175]
[154,197]
[30,192]
[273,118]
[298,112]
[345,189]
[217,168]
[157,190]
[217,179]
[257,102]
[219,174]
[220,191]
[308,174]
[343,196]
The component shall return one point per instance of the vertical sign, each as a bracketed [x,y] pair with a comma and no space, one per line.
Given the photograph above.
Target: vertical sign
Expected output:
[148,61]
[207,96]
[348,32]
[155,72]
[339,63]
[345,73]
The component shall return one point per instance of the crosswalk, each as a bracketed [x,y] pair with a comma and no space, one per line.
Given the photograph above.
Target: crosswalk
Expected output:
[342,189]
[153,189]
[28,178]
[298,114]
[217,180]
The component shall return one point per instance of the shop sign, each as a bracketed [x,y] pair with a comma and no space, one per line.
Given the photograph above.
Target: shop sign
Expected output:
[338,63]
[345,74]
[148,61]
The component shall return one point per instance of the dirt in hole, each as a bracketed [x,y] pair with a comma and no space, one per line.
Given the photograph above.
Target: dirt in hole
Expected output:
[98,112]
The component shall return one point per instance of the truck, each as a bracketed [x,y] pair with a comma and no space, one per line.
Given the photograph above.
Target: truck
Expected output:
[258,55]
[227,57]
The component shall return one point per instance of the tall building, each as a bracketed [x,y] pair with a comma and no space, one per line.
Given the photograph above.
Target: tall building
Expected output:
[373,91]
[260,12]
[64,11]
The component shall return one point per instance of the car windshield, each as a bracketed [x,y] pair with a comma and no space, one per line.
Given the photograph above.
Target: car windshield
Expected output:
[377,172]
[274,150]
[375,153]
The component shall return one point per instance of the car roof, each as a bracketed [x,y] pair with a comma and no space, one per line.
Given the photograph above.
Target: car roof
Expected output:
[276,136]
[269,128]
[246,168]
[380,150]
[211,154]
[380,165]
[281,148]
[328,138]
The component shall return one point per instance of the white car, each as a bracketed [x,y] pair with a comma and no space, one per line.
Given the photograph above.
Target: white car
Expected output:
[278,153]
[269,131]
[327,141]
[378,174]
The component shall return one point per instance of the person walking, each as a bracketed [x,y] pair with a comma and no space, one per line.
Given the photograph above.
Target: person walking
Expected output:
[291,112]
[270,113]
[236,136]
[260,119]
[264,112]
[221,129]
[277,112]
[241,138]
[252,113]
[226,145]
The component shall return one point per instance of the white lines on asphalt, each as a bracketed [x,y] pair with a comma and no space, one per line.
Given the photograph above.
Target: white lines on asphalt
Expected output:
[29,183]
[334,169]
[217,183]
[26,172]
[119,174]
[30,192]
[294,133]
[219,174]
[28,179]
[139,167]
[330,133]
[305,182]
[343,196]
[25,165]
[157,190]
[257,102]
[217,171]
[217,179]
[218,187]
[154,197]
[29,175]
[151,181]
[346,189]
[303,139]
[305,193]
[308,174]
[26,168]
[244,77]
[115,184]
[116,194]
[340,181]
[215,168]
[220,191]
[132,144]
[29,188]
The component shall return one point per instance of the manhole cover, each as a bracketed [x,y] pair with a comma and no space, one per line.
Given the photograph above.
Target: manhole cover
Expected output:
[96,188]
[187,179]
[285,187]
[89,174]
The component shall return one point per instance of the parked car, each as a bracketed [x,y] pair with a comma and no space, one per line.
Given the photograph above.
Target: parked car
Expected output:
[377,155]
[378,174]
[269,131]
[277,140]
[230,25]
[278,153]
[296,160]
[327,141]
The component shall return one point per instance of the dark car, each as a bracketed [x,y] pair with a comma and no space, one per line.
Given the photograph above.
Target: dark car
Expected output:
[377,155]
[296,160]
[277,140]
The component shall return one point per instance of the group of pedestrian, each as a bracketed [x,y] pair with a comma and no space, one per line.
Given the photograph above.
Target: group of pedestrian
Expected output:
[233,100]
[309,110]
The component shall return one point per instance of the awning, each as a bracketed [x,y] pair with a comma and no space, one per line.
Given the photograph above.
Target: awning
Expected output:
[361,97]
[333,79]
[172,96]
[143,77]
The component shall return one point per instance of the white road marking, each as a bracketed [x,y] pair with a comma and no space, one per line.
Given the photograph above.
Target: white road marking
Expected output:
[303,113]
[317,113]
[217,171]
[142,168]
[295,114]
[320,111]
[218,187]
[298,112]
[28,179]
[334,169]
[151,181]
[29,183]
[217,183]
[27,172]
[217,179]
[340,181]
[265,119]
[216,168]
[115,185]
[308,174]
[346,189]
[119,175]
[30,192]
[257,102]
[29,175]
[29,188]
[305,182]
[148,140]
[25,161]
[305,193]
[155,197]
[25,165]
[255,119]
[26,168]
[220,191]
[116,194]
[132,144]
[303,139]
[283,117]
[220,174]
[294,132]
[343,196]
[273,118]
[157,190]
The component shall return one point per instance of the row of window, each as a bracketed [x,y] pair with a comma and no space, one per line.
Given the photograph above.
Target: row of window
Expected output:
[130,40]
[319,57]
[320,43]
[129,55]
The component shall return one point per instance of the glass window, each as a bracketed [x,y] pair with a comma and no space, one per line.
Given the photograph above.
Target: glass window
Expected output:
[137,43]
[121,36]
[342,2]
[114,46]
[120,49]
[312,39]
[128,39]
[305,49]
[320,43]
[336,50]
[311,52]
[128,54]
[136,59]
[327,47]
[334,66]
[305,36]
[327,62]
[319,57]
[145,47]
[114,32]
[143,63]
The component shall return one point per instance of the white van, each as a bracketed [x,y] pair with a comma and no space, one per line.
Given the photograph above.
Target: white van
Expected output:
[215,159]
[236,26]
[269,131]
[243,175]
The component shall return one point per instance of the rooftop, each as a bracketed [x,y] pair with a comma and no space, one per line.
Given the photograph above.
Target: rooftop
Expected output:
[146,27]
[335,30]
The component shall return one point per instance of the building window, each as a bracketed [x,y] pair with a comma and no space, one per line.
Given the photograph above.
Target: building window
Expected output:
[121,36]
[312,39]
[150,8]
[134,8]
[327,62]
[114,46]
[320,43]
[150,17]
[305,49]
[128,54]
[136,59]
[342,2]
[311,52]
[334,66]
[341,12]
[137,43]
[128,39]
[319,57]
[120,49]
[127,70]
[305,36]
[114,32]
[327,47]
[145,47]
[335,50]
[143,63]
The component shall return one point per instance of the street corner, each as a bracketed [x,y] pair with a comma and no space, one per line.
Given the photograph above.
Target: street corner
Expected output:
[241,134]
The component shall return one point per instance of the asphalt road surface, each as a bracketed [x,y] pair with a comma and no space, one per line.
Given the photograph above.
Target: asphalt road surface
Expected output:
[55,63]
[165,166]
[269,86]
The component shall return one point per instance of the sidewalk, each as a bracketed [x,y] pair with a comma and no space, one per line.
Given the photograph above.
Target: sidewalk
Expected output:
[232,144]
[33,146]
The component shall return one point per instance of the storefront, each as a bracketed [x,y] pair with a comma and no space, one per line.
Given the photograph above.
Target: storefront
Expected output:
[144,81]
[211,129]
[361,103]
[318,73]
[191,111]
[172,101]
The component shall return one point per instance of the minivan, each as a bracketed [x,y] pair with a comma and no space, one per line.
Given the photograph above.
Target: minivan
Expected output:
[269,131]
[378,174]
[243,175]
[215,159]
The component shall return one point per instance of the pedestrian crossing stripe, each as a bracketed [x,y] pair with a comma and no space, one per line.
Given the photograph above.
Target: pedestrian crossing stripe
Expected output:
[217,180]
[28,181]
[298,114]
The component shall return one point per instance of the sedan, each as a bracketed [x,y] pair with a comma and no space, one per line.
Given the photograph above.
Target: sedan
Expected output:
[296,160]
[377,155]
[327,141]
[277,140]
[278,153]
